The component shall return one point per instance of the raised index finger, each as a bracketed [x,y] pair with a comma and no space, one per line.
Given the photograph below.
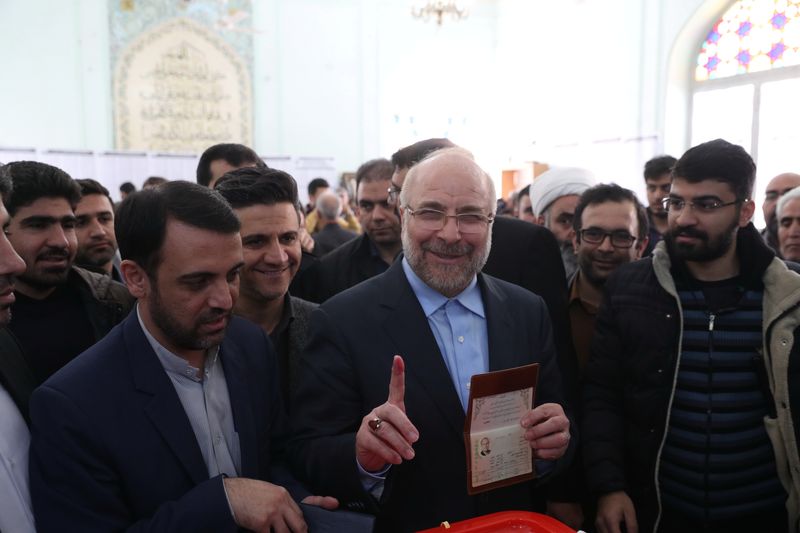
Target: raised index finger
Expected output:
[397,383]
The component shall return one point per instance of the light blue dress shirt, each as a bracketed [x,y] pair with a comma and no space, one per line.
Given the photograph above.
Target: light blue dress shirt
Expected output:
[16,515]
[459,327]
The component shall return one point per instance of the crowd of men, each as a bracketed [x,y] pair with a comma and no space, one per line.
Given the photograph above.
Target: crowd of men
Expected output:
[214,356]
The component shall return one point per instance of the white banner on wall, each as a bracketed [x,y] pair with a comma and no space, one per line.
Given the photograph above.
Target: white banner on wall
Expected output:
[113,168]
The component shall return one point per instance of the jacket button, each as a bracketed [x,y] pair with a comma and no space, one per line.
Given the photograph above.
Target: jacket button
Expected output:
[660,370]
[652,430]
[669,315]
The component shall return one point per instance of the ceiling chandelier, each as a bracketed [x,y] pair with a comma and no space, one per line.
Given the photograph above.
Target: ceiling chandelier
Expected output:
[439,10]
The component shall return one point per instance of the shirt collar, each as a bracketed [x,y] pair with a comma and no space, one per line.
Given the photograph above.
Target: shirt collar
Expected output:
[574,293]
[431,300]
[174,364]
[575,296]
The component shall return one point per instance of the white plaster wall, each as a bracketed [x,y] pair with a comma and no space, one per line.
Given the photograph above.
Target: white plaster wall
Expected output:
[55,86]
[592,79]
[568,82]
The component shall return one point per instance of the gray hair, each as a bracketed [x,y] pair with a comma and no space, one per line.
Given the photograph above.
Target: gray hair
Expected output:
[329,205]
[786,198]
[455,151]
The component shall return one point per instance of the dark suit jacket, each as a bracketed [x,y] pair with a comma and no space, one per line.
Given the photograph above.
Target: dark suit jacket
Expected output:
[329,238]
[112,448]
[346,266]
[345,374]
[528,255]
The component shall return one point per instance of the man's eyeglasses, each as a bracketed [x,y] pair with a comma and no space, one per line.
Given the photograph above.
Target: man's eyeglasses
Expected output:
[434,220]
[701,205]
[619,239]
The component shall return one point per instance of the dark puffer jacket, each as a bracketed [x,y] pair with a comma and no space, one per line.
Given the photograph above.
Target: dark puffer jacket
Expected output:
[631,374]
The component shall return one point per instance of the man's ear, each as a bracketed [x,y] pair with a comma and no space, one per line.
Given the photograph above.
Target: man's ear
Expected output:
[641,246]
[575,243]
[135,278]
[746,213]
[540,220]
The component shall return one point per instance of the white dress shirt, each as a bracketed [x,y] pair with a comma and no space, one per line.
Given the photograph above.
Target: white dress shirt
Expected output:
[15,500]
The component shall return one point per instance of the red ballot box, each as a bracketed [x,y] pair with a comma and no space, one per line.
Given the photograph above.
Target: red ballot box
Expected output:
[505,522]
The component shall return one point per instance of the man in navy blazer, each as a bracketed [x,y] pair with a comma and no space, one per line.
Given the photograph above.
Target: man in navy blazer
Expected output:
[174,421]
[434,315]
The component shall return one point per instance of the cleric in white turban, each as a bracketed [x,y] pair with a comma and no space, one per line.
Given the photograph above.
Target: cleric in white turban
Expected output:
[558,182]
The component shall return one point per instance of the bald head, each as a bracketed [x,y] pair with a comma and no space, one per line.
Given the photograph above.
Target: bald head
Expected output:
[777,187]
[329,206]
[437,168]
[447,207]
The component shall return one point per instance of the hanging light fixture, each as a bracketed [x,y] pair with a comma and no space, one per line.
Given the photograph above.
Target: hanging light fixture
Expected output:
[438,10]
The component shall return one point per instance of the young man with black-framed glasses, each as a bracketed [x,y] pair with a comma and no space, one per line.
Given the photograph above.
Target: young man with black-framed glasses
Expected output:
[689,389]
[610,230]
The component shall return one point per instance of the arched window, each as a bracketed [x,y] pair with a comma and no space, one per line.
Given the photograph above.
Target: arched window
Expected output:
[746,84]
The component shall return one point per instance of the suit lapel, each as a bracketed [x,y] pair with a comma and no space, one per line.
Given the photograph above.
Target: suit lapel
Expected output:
[408,328]
[499,326]
[161,402]
[241,408]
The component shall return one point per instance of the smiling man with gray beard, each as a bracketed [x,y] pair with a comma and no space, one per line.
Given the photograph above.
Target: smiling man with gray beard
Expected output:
[434,314]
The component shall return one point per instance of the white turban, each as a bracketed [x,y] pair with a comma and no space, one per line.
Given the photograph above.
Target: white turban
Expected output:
[558,182]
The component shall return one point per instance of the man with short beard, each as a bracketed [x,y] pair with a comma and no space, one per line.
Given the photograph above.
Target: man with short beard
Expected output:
[657,179]
[16,385]
[404,458]
[174,421]
[610,230]
[689,395]
[97,243]
[60,309]
[372,252]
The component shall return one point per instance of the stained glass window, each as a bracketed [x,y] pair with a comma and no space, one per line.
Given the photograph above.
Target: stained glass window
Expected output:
[752,36]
